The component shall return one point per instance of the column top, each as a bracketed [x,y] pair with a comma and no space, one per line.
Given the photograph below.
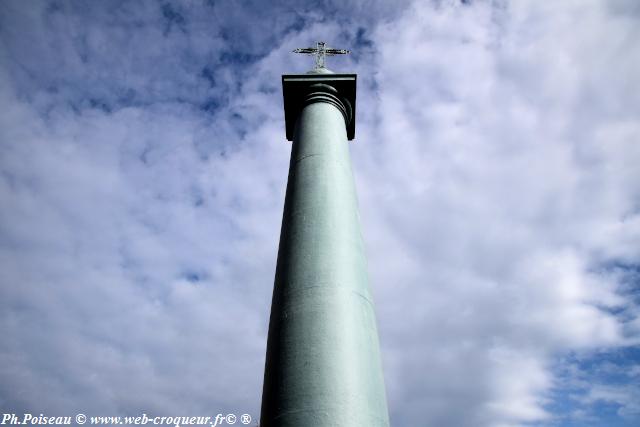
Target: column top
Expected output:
[296,86]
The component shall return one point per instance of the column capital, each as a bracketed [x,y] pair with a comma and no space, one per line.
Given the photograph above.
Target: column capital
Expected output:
[337,89]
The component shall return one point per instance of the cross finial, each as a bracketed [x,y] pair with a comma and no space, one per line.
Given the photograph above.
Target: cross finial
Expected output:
[320,51]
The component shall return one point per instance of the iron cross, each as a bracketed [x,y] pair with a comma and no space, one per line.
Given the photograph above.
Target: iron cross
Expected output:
[320,51]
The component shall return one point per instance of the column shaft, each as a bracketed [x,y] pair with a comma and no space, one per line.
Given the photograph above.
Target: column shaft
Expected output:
[323,363]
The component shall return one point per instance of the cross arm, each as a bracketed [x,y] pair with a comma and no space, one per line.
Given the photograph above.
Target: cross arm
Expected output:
[336,51]
[309,50]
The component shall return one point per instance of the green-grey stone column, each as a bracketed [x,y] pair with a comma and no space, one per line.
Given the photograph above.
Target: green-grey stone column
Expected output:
[323,363]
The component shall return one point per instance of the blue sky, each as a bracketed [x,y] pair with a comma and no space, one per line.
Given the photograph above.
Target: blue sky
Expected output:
[143,164]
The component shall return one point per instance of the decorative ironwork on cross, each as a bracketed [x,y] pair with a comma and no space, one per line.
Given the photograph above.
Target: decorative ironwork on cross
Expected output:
[320,51]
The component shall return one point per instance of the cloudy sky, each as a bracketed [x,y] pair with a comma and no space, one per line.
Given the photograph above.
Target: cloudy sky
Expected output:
[143,165]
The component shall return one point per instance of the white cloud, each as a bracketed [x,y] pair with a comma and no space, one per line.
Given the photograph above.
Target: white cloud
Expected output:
[626,398]
[492,198]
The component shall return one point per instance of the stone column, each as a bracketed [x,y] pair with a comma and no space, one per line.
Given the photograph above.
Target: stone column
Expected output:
[323,363]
